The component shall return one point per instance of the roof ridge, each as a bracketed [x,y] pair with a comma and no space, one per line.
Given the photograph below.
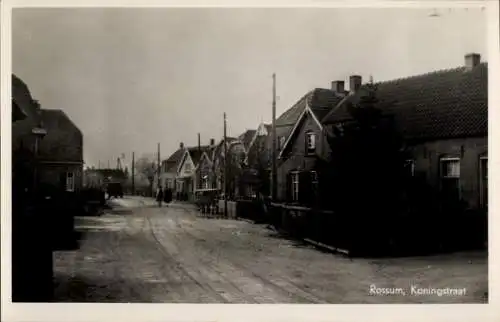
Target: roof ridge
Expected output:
[431,73]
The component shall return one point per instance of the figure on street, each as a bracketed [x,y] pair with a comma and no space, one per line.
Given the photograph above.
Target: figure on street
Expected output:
[159,196]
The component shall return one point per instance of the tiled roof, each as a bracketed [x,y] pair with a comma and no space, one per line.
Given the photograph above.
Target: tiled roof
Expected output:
[320,101]
[441,104]
[174,159]
[64,141]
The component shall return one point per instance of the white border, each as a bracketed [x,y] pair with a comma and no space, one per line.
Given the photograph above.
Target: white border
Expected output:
[196,312]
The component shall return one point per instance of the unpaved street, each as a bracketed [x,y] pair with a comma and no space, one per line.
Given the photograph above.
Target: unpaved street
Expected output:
[140,253]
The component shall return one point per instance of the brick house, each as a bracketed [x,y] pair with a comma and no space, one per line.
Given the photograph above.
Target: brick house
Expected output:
[442,115]
[61,152]
[304,142]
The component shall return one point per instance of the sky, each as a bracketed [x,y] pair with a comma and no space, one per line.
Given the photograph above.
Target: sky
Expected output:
[130,78]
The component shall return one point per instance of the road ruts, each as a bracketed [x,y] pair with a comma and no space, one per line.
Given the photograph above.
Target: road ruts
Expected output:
[236,276]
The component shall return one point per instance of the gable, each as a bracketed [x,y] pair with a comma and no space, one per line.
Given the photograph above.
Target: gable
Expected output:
[308,118]
[186,168]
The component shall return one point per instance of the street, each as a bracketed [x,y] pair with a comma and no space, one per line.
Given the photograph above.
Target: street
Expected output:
[138,252]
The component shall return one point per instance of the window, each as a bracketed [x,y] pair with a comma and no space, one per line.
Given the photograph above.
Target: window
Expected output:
[310,142]
[483,172]
[204,182]
[281,142]
[295,186]
[410,168]
[70,181]
[187,167]
[450,177]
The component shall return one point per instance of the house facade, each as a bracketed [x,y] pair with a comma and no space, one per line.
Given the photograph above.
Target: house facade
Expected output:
[61,152]
[305,143]
[442,117]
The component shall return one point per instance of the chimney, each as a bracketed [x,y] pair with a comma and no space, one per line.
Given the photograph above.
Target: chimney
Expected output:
[199,142]
[212,142]
[181,145]
[472,60]
[354,83]
[338,86]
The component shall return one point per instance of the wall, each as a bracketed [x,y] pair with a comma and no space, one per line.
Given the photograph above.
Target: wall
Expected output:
[469,150]
[50,174]
[296,157]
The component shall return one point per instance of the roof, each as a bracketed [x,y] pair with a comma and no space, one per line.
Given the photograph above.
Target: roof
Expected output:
[318,101]
[64,140]
[246,137]
[174,159]
[197,152]
[441,104]
[23,104]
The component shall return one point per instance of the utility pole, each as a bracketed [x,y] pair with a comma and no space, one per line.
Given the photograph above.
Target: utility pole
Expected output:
[225,167]
[133,173]
[274,168]
[159,166]
[196,182]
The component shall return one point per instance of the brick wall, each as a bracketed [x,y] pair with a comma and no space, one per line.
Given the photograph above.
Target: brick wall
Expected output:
[51,174]
[296,155]
[427,161]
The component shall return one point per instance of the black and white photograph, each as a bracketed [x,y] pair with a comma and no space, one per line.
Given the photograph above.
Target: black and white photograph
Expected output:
[248,155]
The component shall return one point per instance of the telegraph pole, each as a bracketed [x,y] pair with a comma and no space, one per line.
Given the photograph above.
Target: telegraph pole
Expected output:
[225,167]
[133,173]
[159,166]
[274,168]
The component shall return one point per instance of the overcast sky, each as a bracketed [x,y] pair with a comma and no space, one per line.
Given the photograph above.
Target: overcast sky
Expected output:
[130,78]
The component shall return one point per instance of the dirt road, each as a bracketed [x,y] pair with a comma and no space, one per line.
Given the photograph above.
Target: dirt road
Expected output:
[140,253]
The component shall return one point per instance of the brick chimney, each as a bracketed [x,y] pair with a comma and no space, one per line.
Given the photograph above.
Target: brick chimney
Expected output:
[354,83]
[472,60]
[338,86]
[212,142]
[181,145]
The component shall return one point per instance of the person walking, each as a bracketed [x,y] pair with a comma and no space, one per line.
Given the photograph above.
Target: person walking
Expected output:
[159,196]
[167,196]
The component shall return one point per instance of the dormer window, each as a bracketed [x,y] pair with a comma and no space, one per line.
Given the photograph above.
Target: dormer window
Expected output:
[310,142]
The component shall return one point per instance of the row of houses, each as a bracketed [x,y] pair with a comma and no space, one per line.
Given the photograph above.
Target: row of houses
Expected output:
[442,115]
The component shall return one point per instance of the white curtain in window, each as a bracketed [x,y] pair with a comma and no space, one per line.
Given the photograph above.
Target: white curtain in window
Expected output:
[452,168]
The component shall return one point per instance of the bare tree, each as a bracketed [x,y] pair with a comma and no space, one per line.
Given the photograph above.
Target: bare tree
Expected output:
[147,167]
